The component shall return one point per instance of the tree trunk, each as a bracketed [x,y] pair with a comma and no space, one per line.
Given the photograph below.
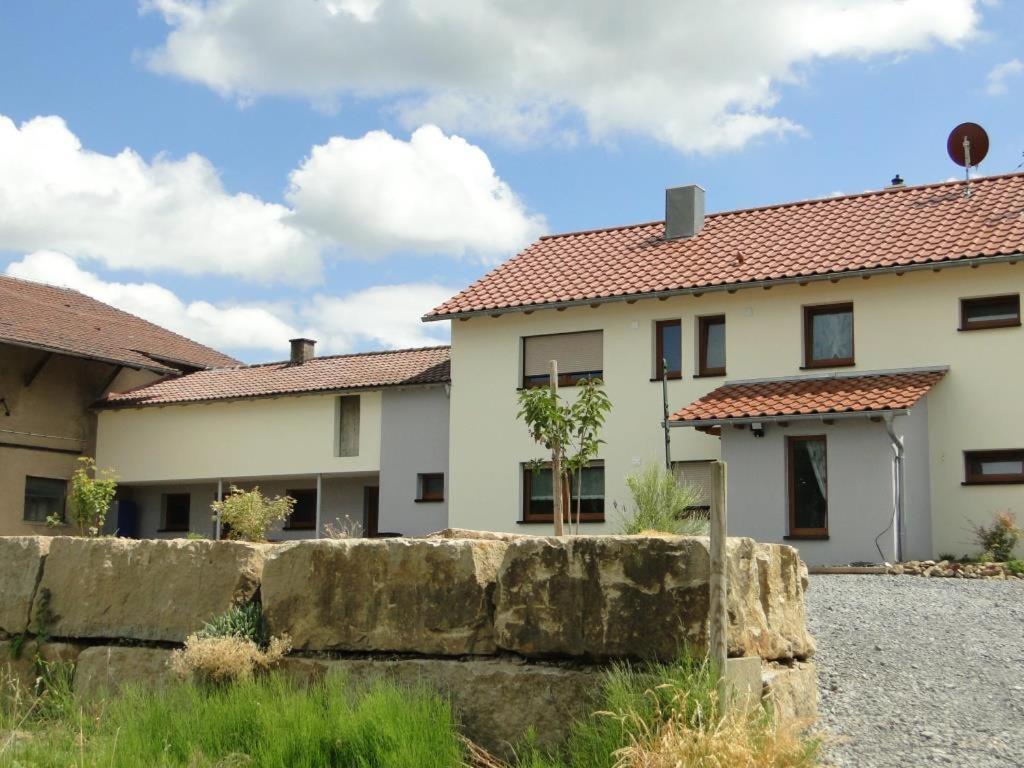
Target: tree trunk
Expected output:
[556,462]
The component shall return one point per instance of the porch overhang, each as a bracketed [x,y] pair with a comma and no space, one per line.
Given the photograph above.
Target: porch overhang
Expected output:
[869,394]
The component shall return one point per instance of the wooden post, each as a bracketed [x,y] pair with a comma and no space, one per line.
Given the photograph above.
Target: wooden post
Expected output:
[556,461]
[718,619]
[220,497]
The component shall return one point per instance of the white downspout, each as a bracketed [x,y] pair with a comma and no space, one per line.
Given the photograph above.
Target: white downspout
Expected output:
[898,478]
[319,495]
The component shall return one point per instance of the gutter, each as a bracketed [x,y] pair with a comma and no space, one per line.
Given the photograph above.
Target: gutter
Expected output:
[968,261]
[889,413]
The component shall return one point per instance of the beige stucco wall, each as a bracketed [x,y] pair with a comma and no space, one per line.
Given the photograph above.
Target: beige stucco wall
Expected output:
[49,422]
[899,322]
[292,435]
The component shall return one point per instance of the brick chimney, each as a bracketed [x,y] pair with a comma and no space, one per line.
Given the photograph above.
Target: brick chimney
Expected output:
[684,211]
[302,350]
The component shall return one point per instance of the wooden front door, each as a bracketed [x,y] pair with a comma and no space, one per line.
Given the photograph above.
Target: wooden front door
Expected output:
[371,500]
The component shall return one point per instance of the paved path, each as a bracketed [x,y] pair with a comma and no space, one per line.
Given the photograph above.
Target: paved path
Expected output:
[920,672]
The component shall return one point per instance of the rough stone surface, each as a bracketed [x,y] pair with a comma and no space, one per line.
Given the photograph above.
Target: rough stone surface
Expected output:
[792,690]
[430,596]
[143,590]
[625,596]
[953,569]
[497,700]
[104,669]
[21,564]
[466,533]
[21,666]
[919,672]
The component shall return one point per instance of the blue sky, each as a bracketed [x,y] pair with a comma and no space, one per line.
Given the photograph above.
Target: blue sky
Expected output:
[223,222]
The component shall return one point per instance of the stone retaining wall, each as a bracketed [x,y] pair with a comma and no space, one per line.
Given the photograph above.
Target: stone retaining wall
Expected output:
[515,630]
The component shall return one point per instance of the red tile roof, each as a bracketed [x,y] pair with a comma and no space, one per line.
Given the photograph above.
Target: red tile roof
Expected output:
[367,370]
[884,229]
[68,322]
[854,393]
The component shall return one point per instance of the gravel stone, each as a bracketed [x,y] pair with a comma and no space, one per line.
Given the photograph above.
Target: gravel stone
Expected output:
[919,671]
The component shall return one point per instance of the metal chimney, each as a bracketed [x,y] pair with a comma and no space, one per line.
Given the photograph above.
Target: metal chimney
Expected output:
[684,211]
[302,350]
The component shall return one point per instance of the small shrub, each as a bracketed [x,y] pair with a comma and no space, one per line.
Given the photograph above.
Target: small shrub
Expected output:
[343,529]
[660,503]
[193,536]
[242,621]
[248,515]
[1016,567]
[90,498]
[1000,538]
[947,556]
[219,660]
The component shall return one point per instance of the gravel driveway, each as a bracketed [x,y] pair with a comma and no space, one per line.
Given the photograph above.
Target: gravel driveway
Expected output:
[918,672]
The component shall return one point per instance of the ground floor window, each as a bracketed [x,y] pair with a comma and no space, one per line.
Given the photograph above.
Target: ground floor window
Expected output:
[696,475]
[303,516]
[807,463]
[994,467]
[44,497]
[430,486]
[176,511]
[538,495]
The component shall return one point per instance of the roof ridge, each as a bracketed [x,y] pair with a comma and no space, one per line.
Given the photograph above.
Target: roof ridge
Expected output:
[67,289]
[790,204]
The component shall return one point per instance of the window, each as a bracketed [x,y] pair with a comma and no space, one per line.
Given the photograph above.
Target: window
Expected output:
[828,336]
[538,499]
[668,349]
[697,475]
[44,497]
[176,508]
[1004,466]
[430,486]
[990,312]
[348,425]
[711,346]
[579,355]
[808,487]
[303,516]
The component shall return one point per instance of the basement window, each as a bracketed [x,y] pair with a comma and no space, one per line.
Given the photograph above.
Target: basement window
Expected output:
[579,355]
[990,312]
[807,466]
[828,336]
[44,497]
[994,467]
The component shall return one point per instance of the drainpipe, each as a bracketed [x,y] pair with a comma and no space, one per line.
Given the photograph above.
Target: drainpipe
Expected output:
[897,463]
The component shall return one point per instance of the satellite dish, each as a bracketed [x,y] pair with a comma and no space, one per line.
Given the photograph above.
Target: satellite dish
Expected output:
[967,144]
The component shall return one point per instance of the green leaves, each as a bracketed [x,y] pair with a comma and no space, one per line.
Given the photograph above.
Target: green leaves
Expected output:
[90,497]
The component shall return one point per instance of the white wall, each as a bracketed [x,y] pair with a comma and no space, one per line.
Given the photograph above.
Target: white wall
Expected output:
[414,440]
[860,487]
[291,435]
[899,322]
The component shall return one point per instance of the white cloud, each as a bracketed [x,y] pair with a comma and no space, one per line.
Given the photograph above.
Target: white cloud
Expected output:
[696,75]
[129,213]
[996,84]
[433,193]
[380,317]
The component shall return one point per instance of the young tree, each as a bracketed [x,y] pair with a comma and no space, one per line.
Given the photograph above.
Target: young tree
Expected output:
[569,431]
[249,514]
[90,498]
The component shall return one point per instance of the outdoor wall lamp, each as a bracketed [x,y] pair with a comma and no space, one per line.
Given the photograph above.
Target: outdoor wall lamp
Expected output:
[757,428]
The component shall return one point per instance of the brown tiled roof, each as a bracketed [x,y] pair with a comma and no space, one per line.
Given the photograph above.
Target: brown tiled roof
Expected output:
[807,395]
[883,229]
[367,370]
[66,321]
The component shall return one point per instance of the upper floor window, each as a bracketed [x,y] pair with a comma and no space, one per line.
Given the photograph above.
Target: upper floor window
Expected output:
[711,345]
[538,495]
[303,516]
[348,425]
[828,335]
[999,466]
[579,356]
[176,511]
[990,312]
[668,349]
[44,498]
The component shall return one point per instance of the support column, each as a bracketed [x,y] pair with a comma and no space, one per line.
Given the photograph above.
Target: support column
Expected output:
[319,497]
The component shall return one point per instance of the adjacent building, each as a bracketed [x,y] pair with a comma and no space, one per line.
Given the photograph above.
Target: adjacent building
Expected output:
[360,442]
[60,351]
[856,361]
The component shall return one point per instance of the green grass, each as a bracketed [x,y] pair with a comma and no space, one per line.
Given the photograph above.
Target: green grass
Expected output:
[258,724]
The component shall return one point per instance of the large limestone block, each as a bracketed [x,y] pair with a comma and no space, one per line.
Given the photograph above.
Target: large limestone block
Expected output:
[645,597]
[792,691]
[496,700]
[143,590]
[404,595]
[106,669]
[22,660]
[21,565]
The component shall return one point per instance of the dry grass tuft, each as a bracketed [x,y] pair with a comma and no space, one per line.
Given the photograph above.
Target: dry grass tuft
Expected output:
[226,659]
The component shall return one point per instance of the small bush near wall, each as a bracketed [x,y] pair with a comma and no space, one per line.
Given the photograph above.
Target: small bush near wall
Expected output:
[660,503]
[1000,538]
